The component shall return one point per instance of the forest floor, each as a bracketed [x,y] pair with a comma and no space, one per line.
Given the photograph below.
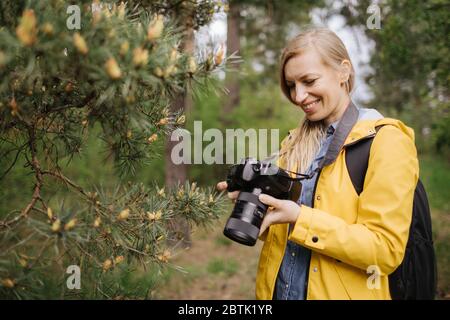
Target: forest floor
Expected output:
[214,268]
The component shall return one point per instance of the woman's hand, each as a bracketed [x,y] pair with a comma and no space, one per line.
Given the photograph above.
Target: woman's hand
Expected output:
[222,185]
[283,211]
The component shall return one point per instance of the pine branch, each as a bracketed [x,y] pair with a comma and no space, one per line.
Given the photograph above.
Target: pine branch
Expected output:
[12,164]
[118,72]
[38,185]
[67,181]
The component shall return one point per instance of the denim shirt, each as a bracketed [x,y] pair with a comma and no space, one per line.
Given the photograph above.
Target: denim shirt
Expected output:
[291,281]
[292,277]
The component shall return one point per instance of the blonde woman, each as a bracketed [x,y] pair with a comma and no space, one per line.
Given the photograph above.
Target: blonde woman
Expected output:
[334,243]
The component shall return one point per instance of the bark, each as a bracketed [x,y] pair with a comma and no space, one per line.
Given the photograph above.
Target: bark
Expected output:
[177,174]
[232,77]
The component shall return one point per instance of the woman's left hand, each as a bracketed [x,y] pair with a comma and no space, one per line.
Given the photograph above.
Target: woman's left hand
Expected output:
[284,211]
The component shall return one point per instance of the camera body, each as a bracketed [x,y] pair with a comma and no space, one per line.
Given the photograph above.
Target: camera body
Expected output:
[253,177]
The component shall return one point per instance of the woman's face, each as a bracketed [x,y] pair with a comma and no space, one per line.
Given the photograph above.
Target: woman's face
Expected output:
[317,88]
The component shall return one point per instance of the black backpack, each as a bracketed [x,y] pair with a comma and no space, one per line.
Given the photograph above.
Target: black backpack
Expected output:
[416,277]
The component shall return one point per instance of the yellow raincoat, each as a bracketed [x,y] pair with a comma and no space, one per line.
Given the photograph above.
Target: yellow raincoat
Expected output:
[351,235]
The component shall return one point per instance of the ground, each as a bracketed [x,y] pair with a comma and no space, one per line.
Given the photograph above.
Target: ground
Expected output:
[215,268]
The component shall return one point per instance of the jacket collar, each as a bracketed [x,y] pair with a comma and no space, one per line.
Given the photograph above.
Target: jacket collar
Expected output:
[367,128]
[350,130]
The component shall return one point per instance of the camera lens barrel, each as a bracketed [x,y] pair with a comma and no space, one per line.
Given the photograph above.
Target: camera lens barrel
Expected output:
[245,221]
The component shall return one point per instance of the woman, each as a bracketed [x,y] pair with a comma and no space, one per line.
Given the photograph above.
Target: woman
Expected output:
[334,243]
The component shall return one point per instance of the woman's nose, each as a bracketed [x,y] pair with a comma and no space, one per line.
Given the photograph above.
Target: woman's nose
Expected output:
[300,94]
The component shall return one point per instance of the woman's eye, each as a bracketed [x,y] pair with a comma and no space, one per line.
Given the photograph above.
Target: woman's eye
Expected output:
[310,82]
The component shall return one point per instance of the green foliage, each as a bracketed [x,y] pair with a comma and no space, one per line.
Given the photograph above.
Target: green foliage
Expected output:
[93,235]
[435,174]
[223,241]
[71,101]
[410,62]
[442,136]
[266,26]
[104,76]
[227,267]
[197,14]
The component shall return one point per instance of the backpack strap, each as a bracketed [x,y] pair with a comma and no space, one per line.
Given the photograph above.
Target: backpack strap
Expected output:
[357,161]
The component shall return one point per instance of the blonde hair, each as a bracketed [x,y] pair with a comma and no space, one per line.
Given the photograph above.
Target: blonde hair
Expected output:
[303,143]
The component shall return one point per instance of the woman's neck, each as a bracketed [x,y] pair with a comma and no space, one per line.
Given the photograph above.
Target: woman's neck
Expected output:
[338,111]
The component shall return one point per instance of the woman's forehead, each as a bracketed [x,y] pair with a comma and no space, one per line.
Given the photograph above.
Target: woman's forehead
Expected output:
[303,64]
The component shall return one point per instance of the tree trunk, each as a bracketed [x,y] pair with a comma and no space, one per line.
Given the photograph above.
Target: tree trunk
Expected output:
[232,77]
[177,174]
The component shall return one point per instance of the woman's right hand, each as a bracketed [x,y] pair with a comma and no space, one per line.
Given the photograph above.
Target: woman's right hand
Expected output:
[222,185]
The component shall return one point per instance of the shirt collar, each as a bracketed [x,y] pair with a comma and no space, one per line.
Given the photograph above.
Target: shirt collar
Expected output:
[332,128]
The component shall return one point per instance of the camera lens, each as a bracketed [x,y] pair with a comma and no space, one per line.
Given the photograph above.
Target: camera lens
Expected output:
[245,220]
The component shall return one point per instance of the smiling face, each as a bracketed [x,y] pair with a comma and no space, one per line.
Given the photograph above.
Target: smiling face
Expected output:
[316,87]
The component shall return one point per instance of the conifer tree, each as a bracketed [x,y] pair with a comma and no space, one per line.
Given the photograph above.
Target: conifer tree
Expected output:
[115,69]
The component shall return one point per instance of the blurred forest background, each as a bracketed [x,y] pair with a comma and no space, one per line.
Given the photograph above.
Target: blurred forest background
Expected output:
[402,70]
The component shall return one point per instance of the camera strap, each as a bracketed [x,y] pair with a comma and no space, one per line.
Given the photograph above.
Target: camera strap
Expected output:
[348,120]
[300,176]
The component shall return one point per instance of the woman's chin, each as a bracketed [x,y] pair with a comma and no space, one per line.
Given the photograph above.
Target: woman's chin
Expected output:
[313,117]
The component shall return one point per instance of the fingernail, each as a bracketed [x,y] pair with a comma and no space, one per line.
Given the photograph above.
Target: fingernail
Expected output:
[262,197]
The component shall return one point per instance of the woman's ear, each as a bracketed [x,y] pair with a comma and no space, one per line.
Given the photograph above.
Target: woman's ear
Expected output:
[346,68]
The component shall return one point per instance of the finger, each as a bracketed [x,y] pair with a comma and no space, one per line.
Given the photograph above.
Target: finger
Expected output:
[265,224]
[222,185]
[271,201]
[233,195]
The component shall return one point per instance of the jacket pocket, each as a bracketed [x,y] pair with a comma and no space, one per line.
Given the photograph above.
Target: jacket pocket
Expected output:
[342,282]
[355,282]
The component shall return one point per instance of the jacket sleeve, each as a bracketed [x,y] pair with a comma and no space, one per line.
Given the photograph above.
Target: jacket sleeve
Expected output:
[380,234]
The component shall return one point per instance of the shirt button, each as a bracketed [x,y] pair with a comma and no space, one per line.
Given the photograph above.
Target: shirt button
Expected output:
[318,198]
[287,286]
[293,254]
[315,239]
[315,269]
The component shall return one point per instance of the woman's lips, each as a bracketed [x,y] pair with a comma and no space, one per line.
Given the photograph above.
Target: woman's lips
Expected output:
[310,107]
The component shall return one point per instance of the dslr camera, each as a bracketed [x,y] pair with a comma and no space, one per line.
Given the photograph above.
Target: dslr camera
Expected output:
[253,177]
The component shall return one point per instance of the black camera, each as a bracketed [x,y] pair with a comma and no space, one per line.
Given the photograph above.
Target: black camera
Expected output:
[253,177]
